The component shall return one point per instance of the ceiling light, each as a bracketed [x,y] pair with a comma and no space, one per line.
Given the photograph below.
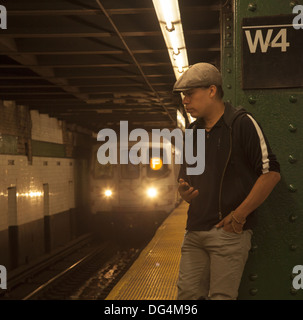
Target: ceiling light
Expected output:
[180,120]
[168,14]
[169,17]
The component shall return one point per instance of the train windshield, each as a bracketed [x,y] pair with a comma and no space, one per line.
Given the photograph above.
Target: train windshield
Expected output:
[130,171]
[103,171]
[156,167]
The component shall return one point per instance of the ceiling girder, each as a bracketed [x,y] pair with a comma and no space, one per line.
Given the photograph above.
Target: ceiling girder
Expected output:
[89,59]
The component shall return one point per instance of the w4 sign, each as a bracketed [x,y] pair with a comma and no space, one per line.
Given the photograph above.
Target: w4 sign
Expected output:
[271,53]
[278,41]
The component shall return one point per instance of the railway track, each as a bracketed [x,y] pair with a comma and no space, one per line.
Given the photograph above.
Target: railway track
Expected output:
[87,271]
[91,278]
[59,285]
[28,278]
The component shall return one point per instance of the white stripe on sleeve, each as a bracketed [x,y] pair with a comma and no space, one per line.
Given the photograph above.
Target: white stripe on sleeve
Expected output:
[263,146]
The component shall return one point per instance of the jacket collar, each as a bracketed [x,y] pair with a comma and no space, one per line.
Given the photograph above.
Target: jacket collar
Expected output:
[229,116]
[231,113]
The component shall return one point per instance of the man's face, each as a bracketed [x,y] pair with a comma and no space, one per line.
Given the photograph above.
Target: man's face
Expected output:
[197,101]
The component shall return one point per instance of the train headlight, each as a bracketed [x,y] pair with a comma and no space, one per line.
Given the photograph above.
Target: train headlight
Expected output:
[108,193]
[152,192]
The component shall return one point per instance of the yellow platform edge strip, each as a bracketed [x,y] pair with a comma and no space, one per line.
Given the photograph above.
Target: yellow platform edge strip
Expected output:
[131,285]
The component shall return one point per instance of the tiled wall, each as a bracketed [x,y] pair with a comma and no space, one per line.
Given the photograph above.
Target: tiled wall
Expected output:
[28,177]
[28,180]
[45,128]
[43,183]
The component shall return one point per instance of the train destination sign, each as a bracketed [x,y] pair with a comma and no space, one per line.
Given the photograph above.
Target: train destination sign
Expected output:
[272,52]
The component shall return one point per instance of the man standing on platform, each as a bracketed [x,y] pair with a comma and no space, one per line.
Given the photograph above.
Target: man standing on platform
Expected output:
[240,173]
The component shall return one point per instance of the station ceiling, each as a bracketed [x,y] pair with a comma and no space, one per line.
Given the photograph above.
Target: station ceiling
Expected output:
[97,62]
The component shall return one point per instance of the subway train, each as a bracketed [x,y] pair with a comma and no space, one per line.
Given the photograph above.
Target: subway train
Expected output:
[133,195]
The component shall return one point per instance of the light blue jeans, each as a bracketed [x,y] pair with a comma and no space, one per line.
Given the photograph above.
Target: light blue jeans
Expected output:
[212,263]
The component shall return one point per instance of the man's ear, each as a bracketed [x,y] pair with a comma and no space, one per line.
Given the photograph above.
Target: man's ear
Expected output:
[213,91]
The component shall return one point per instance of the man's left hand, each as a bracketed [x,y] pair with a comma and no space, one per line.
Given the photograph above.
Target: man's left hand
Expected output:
[230,225]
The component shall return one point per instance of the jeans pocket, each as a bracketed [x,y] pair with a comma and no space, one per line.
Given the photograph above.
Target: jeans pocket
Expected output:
[230,234]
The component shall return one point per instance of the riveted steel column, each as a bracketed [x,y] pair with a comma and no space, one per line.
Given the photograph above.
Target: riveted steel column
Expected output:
[277,244]
[228,57]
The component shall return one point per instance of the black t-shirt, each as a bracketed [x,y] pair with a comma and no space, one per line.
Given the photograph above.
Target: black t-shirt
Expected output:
[203,211]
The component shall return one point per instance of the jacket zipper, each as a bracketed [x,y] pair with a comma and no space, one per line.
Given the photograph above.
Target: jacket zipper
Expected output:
[221,182]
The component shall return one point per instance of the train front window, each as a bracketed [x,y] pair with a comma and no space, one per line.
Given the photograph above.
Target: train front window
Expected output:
[103,171]
[130,171]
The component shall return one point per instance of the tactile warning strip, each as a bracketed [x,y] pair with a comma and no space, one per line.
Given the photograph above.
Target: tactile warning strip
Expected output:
[154,275]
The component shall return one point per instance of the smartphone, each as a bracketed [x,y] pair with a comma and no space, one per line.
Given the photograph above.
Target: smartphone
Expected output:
[186,187]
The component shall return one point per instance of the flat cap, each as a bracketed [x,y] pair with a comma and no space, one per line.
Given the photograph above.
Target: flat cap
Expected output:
[198,75]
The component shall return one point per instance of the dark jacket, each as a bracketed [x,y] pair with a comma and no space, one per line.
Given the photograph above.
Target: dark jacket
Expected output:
[242,155]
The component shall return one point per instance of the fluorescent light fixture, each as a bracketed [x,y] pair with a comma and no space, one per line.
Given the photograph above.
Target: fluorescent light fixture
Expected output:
[191,119]
[169,17]
[168,14]
[180,120]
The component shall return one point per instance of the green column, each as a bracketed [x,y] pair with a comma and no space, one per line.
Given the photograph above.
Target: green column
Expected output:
[278,240]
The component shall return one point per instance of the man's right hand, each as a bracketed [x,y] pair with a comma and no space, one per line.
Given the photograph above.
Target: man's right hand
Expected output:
[187,192]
